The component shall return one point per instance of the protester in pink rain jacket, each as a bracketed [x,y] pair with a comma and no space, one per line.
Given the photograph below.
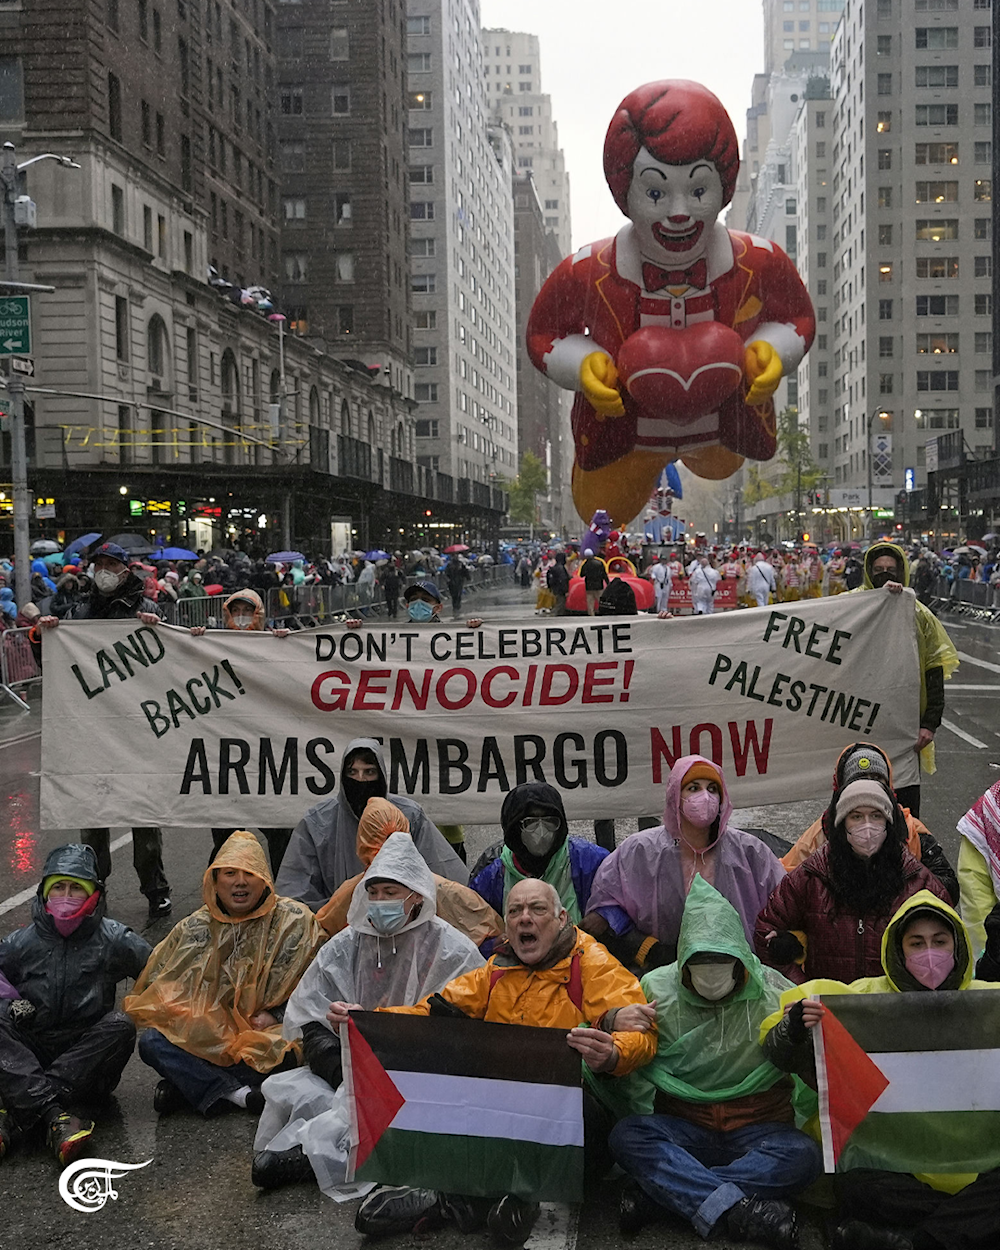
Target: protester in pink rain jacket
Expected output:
[638,895]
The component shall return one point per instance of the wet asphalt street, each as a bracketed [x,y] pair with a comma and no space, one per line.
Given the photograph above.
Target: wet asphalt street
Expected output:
[196,1192]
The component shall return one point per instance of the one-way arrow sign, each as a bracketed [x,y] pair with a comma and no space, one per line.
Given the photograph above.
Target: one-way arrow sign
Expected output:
[21,364]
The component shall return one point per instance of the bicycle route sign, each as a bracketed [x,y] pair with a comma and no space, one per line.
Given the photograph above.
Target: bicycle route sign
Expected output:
[15,325]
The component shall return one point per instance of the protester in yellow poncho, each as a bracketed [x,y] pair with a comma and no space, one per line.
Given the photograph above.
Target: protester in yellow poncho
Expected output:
[211,998]
[456,903]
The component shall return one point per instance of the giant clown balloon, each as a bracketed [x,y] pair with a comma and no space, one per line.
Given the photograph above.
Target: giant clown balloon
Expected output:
[676,332]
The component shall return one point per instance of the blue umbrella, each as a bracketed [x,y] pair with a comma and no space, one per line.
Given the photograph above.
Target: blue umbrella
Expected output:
[78,544]
[173,553]
[284,557]
[377,555]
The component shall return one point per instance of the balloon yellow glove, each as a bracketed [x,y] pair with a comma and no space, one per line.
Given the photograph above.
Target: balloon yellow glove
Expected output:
[599,382]
[763,368]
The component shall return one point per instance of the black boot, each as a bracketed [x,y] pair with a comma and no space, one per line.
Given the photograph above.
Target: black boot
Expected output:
[767,1220]
[512,1219]
[635,1209]
[274,1168]
[167,1098]
[857,1235]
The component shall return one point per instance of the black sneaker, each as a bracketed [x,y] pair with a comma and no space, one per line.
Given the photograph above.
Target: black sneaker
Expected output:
[255,1102]
[274,1168]
[467,1214]
[512,1219]
[159,904]
[767,1220]
[397,1209]
[857,1235]
[167,1098]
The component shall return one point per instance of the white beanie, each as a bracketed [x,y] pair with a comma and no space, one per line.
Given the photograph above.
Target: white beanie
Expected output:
[867,793]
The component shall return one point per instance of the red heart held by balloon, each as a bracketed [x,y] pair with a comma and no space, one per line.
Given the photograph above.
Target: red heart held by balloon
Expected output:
[681,374]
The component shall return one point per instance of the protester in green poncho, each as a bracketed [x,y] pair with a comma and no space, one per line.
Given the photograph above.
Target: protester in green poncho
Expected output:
[536,843]
[719,1147]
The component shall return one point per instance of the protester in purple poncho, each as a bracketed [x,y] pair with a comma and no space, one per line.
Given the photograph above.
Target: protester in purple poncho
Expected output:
[638,895]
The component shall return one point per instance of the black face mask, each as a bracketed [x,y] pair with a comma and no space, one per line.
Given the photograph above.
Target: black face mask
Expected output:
[358,793]
[885,575]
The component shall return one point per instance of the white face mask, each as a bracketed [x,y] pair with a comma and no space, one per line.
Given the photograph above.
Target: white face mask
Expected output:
[538,833]
[242,622]
[106,581]
[713,981]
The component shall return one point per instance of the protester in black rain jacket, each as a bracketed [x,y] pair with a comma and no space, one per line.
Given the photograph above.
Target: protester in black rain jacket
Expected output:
[61,1039]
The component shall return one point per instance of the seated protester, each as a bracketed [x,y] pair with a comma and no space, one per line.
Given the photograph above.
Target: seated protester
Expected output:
[213,994]
[827,917]
[322,852]
[62,1042]
[639,891]
[551,975]
[720,1147]
[393,953]
[856,762]
[979,864]
[536,843]
[456,904]
[988,967]
[926,948]
[617,599]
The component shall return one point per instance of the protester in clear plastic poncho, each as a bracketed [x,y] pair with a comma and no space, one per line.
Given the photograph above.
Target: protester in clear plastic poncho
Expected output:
[305,1113]
[214,971]
[456,903]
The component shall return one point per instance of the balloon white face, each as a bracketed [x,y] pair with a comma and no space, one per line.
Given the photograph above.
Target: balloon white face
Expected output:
[673,208]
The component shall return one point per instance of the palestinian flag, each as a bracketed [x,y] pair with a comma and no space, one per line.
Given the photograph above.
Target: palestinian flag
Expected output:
[910,1082]
[464,1106]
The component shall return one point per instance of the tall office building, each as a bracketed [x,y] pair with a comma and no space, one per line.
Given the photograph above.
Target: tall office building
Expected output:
[461,252]
[911,307]
[342,126]
[513,78]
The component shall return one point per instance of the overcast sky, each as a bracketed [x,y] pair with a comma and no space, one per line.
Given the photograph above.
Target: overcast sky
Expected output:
[593,52]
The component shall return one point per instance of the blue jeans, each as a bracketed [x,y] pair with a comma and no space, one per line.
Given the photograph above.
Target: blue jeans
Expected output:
[700,1173]
[202,1083]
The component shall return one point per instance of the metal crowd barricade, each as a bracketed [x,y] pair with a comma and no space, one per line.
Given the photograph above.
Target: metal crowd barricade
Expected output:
[205,611]
[18,666]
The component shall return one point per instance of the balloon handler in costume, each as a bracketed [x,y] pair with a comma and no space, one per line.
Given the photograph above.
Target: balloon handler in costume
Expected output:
[676,332]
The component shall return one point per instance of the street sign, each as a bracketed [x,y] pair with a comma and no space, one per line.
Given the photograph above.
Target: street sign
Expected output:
[23,364]
[15,325]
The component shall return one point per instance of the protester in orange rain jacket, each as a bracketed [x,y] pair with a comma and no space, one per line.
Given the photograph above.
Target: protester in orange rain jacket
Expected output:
[212,995]
[457,904]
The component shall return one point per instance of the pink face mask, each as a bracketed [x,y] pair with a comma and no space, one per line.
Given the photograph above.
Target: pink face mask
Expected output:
[700,808]
[866,839]
[69,913]
[930,966]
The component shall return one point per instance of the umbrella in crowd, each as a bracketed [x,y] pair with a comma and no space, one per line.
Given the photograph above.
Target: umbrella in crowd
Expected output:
[85,540]
[44,547]
[284,557]
[990,537]
[455,548]
[134,544]
[377,555]
[173,553]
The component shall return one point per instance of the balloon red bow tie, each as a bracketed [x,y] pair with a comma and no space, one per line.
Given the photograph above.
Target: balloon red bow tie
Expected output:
[655,279]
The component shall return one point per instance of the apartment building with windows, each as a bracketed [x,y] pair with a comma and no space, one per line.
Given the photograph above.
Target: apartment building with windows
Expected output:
[461,253]
[912,243]
[343,130]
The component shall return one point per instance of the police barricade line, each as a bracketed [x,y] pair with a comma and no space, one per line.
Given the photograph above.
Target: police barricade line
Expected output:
[18,666]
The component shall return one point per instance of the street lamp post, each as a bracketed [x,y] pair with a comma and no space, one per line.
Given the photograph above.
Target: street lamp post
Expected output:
[9,170]
[868,461]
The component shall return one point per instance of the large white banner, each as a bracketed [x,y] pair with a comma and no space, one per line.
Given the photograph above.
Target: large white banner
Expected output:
[150,726]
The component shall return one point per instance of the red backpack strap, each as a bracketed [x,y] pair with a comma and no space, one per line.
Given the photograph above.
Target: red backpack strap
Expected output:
[574,987]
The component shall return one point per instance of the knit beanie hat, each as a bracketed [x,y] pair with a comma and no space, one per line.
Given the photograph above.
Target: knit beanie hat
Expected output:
[49,882]
[864,794]
[864,762]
